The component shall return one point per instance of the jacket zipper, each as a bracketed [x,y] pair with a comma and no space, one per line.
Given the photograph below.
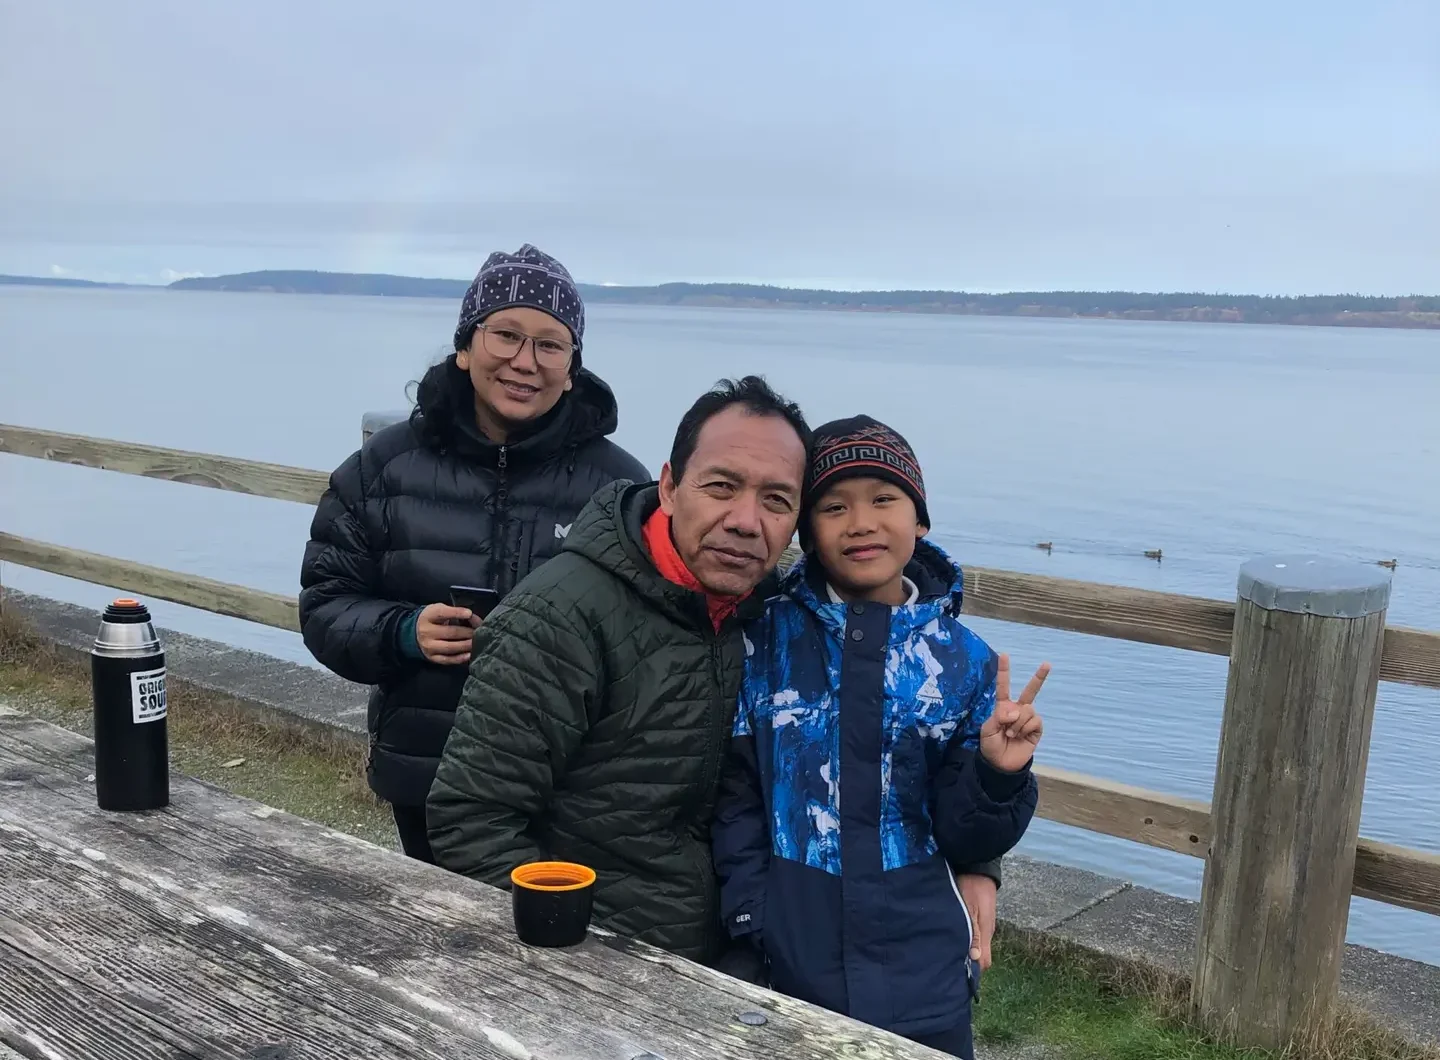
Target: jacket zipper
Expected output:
[498,536]
[969,934]
[969,924]
[714,761]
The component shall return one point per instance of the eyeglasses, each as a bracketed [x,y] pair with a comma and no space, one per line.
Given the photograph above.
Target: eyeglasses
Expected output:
[506,344]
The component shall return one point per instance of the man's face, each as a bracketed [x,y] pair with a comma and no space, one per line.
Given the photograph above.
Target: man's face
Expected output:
[735,510]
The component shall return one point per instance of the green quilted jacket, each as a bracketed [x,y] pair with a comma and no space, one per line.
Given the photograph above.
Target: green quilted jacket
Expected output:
[592,728]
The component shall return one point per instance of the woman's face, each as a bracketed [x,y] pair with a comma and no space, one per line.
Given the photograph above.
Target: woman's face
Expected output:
[513,386]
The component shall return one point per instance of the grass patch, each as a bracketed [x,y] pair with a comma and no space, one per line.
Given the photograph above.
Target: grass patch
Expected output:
[1026,999]
[1042,1000]
[303,769]
[1085,1006]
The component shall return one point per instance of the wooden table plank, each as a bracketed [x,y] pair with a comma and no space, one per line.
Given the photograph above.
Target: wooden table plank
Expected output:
[231,990]
[223,928]
[44,1014]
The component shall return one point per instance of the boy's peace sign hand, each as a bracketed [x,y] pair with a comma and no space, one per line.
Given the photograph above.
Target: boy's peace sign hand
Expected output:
[1009,736]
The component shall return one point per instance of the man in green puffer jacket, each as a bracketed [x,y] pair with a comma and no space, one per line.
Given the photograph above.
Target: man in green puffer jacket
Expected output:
[599,705]
[601,696]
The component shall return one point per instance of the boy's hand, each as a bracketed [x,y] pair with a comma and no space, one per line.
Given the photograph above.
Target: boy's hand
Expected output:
[1009,736]
[979,893]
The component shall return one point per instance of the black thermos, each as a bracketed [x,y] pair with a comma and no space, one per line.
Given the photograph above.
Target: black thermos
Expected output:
[127,680]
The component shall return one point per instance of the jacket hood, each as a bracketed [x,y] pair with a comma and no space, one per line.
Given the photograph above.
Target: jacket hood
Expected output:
[609,533]
[444,417]
[938,578]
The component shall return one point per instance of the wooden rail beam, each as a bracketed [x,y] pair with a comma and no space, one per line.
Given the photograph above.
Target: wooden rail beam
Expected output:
[1170,620]
[172,465]
[1411,657]
[1193,623]
[223,598]
[1126,812]
[1397,876]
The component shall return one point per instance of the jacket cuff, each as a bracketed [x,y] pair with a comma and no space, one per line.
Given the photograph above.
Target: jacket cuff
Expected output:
[745,925]
[998,784]
[407,642]
[980,868]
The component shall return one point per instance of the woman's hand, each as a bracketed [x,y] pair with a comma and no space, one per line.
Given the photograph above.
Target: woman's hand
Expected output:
[445,633]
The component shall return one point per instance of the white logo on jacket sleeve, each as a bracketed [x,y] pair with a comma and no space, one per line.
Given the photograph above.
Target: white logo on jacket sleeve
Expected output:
[562,532]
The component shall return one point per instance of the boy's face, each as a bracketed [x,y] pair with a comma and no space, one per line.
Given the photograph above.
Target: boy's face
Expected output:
[864,530]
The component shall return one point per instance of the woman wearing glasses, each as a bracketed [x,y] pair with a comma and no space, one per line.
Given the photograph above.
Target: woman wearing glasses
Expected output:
[507,442]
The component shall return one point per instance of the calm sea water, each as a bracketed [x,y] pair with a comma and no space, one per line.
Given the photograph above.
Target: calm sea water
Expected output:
[1214,443]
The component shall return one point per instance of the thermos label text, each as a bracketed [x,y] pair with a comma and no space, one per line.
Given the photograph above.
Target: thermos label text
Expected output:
[147,695]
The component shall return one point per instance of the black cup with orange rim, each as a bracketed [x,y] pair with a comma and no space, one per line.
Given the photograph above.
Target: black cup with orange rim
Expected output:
[552,901]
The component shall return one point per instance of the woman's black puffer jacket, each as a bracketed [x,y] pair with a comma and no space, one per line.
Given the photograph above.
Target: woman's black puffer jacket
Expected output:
[430,503]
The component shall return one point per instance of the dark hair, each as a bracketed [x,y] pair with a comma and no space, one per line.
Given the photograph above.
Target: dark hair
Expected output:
[753,393]
[468,336]
[441,397]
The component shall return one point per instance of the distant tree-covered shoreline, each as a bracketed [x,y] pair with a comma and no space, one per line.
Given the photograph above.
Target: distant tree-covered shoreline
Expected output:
[1354,310]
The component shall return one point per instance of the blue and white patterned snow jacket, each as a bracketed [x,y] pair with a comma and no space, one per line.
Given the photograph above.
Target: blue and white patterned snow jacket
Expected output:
[851,899]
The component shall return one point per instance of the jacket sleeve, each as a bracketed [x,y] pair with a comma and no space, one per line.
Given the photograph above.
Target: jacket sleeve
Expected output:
[346,625]
[980,812]
[526,707]
[981,708]
[741,832]
[991,868]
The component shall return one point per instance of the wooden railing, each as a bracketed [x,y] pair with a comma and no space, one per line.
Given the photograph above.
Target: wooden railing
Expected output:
[1393,874]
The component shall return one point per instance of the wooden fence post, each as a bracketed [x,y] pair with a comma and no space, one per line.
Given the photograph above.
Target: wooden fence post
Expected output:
[1304,665]
[370,422]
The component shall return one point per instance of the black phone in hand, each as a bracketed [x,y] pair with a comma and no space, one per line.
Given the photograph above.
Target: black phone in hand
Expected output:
[479,602]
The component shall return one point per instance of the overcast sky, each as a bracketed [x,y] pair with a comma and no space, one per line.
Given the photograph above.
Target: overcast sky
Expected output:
[1276,146]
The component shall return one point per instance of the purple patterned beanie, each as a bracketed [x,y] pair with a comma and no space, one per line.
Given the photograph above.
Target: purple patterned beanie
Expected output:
[528,277]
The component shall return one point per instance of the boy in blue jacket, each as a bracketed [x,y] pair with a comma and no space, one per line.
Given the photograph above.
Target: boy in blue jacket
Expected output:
[861,679]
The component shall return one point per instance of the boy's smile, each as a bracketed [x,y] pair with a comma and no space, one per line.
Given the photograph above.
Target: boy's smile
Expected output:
[863,552]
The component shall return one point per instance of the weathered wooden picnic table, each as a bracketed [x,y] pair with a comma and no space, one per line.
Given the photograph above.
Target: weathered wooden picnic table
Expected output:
[223,928]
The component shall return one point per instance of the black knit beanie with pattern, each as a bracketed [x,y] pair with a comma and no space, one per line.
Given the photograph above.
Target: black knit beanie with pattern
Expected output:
[860,447]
